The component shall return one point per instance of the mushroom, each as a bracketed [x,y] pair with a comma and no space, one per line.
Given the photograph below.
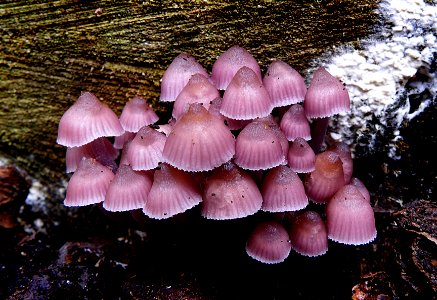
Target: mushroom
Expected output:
[301,157]
[128,190]
[350,218]
[294,123]
[326,96]
[245,97]
[257,147]
[199,141]
[136,114]
[308,234]
[284,84]
[173,191]
[229,62]
[177,75]
[269,243]
[230,193]
[282,190]
[326,179]
[86,120]
[197,90]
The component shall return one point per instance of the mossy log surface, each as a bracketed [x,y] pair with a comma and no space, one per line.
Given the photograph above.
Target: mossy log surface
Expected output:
[51,51]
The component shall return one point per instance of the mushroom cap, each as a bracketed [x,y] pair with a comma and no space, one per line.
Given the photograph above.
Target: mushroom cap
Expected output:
[199,141]
[308,234]
[198,89]
[136,114]
[282,190]
[177,75]
[230,193]
[246,98]
[361,187]
[269,243]
[350,218]
[257,147]
[145,150]
[100,149]
[128,190]
[343,150]
[229,62]
[173,191]
[89,183]
[86,120]
[301,157]
[326,179]
[294,123]
[326,96]
[232,124]
[284,84]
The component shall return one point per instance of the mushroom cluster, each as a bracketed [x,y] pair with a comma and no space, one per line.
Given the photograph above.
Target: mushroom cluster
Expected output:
[237,143]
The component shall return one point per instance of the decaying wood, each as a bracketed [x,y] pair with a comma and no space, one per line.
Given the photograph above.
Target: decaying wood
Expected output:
[52,51]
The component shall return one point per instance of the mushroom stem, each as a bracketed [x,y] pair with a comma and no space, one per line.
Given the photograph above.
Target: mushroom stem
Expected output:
[318,132]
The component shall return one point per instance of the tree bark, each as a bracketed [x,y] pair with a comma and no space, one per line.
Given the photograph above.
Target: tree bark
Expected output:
[52,51]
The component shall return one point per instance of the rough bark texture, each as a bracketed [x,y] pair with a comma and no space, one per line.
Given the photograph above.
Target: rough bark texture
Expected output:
[51,51]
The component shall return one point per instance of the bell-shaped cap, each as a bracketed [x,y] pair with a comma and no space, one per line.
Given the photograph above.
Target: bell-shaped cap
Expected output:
[301,157]
[145,150]
[86,120]
[101,149]
[246,98]
[326,179]
[308,234]
[136,114]
[197,90]
[227,65]
[294,123]
[269,243]
[176,76]
[350,218]
[89,183]
[173,191]
[284,84]
[128,190]
[199,141]
[257,147]
[282,190]
[230,193]
[326,96]
[344,152]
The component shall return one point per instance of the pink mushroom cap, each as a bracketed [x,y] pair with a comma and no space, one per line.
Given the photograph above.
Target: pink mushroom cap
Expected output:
[301,157]
[308,234]
[269,243]
[350,218]
[197,90]
[230,193]
[326,96]
[89,183]
[199,141]
[128,190]
[173,192]
[246,98]
[227,65]
[326,179]
[282,190]
[86,120]
[284,84]
[177,75]
[145,150]
[136,114]
[294,123]
[258,147]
